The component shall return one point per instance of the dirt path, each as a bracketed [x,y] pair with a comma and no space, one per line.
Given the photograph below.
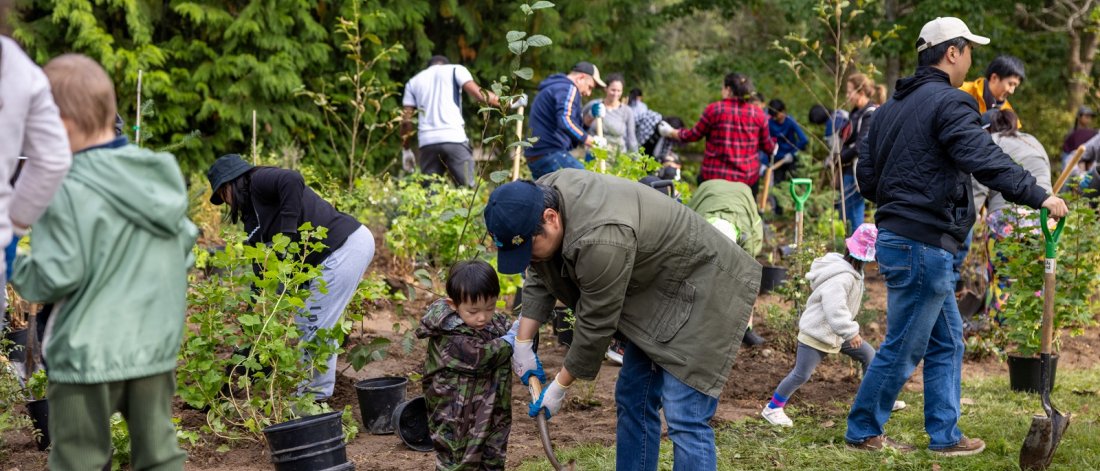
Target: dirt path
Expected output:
[589,417]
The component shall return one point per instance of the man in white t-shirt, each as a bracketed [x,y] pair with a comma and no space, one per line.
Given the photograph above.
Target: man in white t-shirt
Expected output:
[436,95]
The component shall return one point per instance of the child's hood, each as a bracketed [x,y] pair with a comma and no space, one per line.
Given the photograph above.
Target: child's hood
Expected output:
[439,320]
[145,187]
[830,265]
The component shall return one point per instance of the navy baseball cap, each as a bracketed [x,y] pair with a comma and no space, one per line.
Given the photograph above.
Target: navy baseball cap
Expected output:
[513,214]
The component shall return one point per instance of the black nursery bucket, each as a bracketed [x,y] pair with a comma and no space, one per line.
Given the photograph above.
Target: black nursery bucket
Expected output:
[40,417]
[378,397]
[19,338]
[411,420]
[314,443]
[1025,375]
[771,277]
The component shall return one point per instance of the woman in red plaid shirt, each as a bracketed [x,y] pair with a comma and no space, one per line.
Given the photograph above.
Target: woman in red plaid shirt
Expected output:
[735,131]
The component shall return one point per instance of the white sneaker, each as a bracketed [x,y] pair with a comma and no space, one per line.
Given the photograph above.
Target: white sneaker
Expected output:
[898,405]
[776,417]
[615,357]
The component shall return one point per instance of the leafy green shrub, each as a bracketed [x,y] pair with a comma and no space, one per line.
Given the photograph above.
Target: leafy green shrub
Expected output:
[242,358]
[436,223]
[1078,277]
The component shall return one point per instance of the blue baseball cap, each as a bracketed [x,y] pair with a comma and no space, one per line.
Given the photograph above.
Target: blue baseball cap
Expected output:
[513,214]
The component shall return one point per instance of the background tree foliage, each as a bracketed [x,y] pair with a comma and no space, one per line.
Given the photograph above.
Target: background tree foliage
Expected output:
[207,64]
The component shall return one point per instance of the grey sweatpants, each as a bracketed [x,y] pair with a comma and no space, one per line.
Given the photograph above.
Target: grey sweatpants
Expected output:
[342,270]
[449,158]
[807,358]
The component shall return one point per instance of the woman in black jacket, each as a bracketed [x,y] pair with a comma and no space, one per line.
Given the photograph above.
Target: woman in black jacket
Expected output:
[864,96]
[270,201]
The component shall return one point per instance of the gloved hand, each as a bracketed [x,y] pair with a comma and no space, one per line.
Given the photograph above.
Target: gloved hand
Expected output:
[597,109]
[408,160]
[519,101]
[510,336]
[598,141]
[9,256]
[549,401]
[525,363]
[666,130]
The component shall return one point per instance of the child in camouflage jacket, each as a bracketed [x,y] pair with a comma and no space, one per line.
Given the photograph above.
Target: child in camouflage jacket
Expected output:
[467,374]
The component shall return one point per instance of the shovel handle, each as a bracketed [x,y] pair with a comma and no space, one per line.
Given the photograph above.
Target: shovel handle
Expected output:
[800,191]
[1068,169]
[1050,239]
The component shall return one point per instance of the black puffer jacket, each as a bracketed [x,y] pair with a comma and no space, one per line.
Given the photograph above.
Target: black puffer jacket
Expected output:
[918,156]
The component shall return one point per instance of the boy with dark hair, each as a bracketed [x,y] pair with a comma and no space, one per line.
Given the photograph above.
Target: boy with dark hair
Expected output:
[916,162]
[788,136]
[467,374]
[112,250]
[1002,76]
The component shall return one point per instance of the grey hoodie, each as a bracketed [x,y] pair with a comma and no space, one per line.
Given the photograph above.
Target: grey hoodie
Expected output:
[829,318]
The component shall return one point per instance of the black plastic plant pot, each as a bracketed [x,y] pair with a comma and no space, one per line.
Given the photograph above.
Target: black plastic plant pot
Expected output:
[40,418]
[313,443]
[19,338]
[562,328]
[771,277]
[411,420]
[378,397]
[1024,373]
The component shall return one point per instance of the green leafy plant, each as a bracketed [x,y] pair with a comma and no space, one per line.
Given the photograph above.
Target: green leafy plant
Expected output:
[36,385]
[1078,277]
[12,396]
[242,359]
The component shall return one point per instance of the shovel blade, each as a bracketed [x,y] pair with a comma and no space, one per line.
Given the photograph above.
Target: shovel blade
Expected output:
[1042,440]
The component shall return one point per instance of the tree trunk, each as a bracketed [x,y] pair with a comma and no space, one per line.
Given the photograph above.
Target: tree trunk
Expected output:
[1082,52]
[893,62]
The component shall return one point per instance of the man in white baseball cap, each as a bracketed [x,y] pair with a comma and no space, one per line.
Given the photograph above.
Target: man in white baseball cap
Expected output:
[916,163]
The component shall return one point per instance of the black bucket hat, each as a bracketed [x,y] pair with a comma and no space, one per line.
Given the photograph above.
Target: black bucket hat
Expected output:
[224,170]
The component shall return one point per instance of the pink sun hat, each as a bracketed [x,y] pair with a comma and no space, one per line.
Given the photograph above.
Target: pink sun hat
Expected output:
[862,242]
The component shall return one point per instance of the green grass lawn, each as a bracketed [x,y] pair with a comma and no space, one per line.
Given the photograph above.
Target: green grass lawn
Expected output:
[816,442]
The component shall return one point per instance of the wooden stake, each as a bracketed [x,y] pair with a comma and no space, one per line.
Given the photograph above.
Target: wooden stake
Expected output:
[599,132]
[137,123]
[255,158]
[518,152]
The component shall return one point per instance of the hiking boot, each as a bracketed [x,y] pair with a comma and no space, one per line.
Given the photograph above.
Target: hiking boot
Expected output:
[879,443]
[965,447]
[751,339]
[898,405]
[776,416]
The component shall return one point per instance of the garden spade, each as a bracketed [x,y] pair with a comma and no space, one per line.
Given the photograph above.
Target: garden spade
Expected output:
[599,132]
[536,390]
[1046,431]
[800,191]
[763,202]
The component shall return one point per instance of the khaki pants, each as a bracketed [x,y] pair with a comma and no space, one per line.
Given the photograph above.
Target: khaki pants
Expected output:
[80,423]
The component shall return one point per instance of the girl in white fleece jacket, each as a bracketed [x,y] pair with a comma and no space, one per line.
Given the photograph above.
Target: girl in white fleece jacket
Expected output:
[828,324]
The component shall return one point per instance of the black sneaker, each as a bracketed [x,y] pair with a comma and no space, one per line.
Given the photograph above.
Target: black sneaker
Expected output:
[751,339]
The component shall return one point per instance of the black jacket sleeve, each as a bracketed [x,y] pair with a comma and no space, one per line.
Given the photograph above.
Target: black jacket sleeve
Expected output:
[974,152]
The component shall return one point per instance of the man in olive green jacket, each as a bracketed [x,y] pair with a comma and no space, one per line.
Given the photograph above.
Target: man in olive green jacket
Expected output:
[112,251]
[630,260]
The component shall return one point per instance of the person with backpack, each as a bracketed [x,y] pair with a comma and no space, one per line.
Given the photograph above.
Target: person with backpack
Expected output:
[863,95]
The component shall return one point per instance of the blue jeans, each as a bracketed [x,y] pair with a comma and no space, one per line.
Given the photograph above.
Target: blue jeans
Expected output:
[854,206]
[642,390]
[922,323]
[553,162]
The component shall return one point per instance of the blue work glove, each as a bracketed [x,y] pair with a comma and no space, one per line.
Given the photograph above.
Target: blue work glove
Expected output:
[9,256]
[510,336]
[597,109]
[525,363]
[549,401]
